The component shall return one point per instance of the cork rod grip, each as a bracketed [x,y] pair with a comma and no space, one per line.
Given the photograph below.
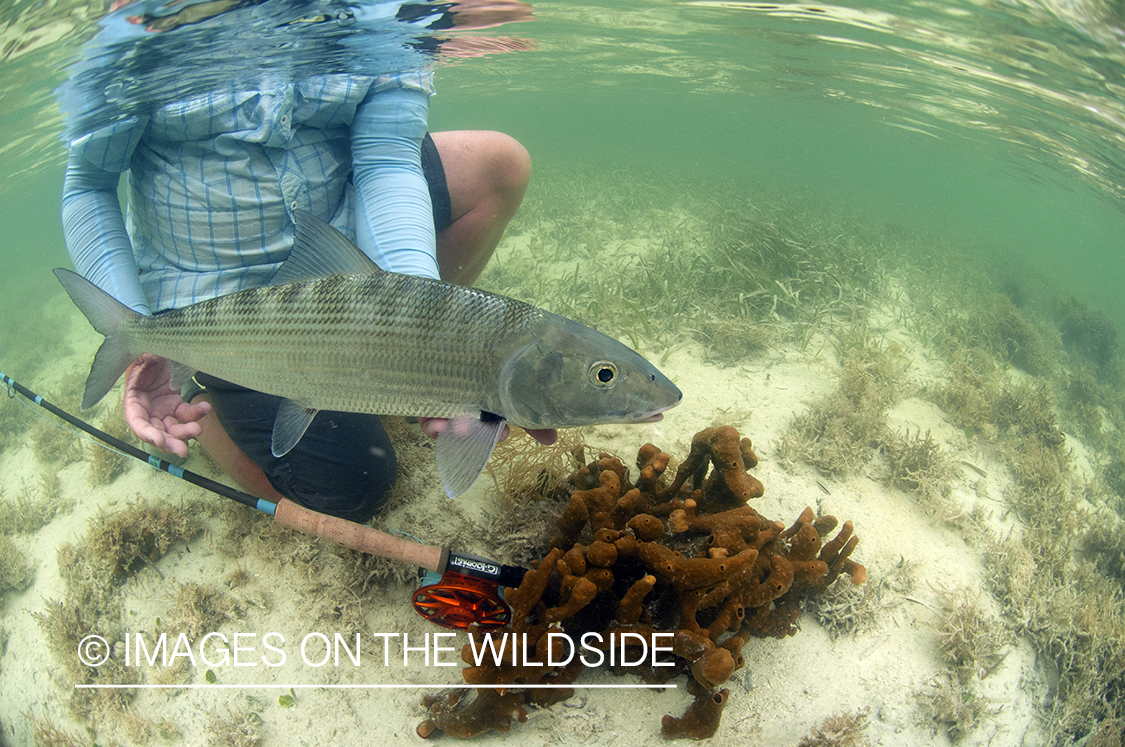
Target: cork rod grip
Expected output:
[360,537]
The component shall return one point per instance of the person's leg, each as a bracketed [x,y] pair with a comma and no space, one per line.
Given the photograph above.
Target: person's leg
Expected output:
[344,464]
[231,459]
[486,174]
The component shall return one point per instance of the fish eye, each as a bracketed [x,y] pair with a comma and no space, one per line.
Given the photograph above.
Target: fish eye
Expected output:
[603,373]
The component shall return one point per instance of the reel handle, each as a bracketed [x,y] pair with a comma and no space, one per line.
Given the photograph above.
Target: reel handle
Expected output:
[360,537]
[468,592]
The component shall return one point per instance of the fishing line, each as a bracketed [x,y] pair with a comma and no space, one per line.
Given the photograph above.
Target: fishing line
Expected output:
[129,450]
[63,426]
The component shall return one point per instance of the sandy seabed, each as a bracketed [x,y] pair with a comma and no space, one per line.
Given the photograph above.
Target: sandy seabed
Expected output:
[786,688]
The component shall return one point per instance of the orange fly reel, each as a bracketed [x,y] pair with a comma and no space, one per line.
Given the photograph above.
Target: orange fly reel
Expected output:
[468,593]
[458,601]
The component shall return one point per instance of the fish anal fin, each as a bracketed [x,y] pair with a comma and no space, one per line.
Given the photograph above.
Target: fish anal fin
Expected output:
[110,362]
[293,420]
[463,450]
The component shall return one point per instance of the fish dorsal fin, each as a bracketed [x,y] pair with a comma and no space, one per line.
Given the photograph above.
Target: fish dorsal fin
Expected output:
[463,449]
[319,250]
[292,421]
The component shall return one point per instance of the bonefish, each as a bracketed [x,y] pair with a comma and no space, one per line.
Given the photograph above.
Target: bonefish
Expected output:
[333,331]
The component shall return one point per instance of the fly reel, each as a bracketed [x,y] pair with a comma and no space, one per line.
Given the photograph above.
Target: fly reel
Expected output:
[468,593]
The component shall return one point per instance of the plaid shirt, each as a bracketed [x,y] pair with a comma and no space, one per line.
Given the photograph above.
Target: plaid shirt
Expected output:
[214,181]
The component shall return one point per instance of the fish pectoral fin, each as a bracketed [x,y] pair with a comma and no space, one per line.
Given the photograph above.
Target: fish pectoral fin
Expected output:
[463,449]
[181,375]
[292,422]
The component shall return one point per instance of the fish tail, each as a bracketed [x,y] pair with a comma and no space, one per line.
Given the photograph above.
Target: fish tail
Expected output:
[105,314]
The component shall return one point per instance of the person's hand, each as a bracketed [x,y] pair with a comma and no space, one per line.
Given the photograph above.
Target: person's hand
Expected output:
[154,411]
[433,427]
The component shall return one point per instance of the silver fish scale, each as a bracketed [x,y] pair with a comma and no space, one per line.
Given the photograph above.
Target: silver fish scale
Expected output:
[388,344]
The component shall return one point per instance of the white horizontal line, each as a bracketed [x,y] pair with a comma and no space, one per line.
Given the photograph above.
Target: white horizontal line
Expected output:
[371,687]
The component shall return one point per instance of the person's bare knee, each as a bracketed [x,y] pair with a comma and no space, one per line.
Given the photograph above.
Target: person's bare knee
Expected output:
[512,168]
[481,166]
[486,174]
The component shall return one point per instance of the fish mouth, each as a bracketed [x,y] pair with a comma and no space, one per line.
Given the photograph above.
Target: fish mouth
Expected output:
[652,416]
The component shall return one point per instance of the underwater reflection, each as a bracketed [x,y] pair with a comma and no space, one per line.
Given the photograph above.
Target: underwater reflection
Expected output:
[147,53]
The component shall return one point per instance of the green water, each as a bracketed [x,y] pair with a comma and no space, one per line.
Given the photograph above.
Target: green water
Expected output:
[972,121]
[985,135]
[986,130]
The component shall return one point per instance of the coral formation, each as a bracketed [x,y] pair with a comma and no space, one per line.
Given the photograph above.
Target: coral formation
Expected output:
[1018,418]
[951,706]
[918,464]
[199,608]
[33,508]
[45,733]
[1010,335]
[523,469]
[64,626]
[115,547]
[846,609]
[1085,399]
[1108,733]
[729,342]
[1074,616]
[234,729]
[972,642]
[683,566]
[489,710]
[54,445]
[1104,545]
[119,545]
[701,718]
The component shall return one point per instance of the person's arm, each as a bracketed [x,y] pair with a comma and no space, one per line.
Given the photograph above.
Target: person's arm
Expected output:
[94,229]
[394,219]
[99,246]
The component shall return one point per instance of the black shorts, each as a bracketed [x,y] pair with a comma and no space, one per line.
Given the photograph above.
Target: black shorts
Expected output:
[344,465]
[439,187]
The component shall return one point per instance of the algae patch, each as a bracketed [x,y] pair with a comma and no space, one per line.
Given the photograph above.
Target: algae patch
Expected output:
[15,572]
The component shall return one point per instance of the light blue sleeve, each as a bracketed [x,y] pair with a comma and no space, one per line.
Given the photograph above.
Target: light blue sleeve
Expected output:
[93,224]
[394,219]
